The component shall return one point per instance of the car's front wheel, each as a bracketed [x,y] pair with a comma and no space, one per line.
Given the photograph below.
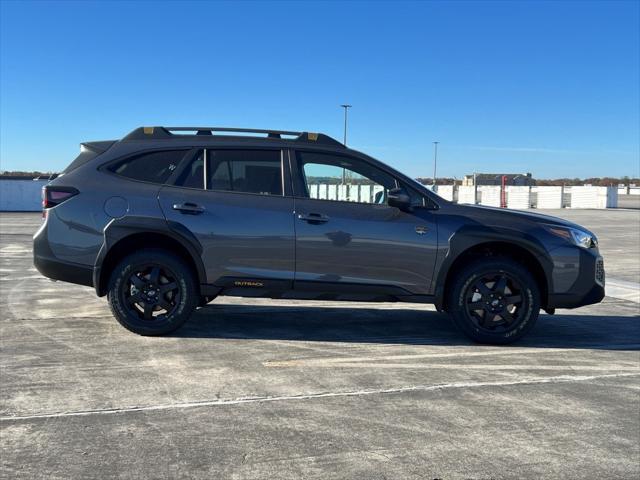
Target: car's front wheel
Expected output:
[152,292]
[494,300]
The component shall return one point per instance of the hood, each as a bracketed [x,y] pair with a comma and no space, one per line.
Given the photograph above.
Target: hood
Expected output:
[504,217]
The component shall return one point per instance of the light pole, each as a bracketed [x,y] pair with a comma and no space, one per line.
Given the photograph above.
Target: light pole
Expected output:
[435,160]
[346,108]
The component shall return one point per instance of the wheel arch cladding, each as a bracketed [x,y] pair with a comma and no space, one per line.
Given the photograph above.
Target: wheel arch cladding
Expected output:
[535,264]
[123,238]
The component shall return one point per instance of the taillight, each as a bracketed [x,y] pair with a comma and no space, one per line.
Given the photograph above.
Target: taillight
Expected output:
[52,196]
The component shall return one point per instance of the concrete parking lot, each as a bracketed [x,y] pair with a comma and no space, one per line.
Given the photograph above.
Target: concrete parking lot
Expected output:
[284,389]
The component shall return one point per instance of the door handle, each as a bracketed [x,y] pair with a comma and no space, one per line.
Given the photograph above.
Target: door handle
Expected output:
[188,208]
[314,218]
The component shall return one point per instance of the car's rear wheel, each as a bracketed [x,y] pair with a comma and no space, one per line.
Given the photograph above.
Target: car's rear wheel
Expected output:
[152,292]
[494,300]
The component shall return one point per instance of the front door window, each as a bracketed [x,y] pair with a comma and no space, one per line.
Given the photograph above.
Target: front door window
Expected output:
[332,177]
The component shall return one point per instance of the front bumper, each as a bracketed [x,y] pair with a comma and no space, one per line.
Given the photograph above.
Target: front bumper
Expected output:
[588,287]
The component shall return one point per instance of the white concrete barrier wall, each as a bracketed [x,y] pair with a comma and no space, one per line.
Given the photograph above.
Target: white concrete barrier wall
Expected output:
[347,193]
[548,197]
[445,191]
[365,193]
[21,195]
[489,195]
[594,197]
[632,191]
[467,194]
[332,192]
[518,197]
[583,197]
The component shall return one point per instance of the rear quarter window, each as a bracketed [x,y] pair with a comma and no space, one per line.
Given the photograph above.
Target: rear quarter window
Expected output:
[154,167]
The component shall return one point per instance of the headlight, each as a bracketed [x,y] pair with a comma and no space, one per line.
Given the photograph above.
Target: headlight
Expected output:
[577,237]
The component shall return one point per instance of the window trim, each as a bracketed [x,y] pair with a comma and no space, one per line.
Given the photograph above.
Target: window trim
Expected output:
[205,170]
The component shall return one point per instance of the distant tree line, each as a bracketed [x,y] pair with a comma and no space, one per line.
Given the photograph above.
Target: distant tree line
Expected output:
[25,175]
[596,181]
[439,181]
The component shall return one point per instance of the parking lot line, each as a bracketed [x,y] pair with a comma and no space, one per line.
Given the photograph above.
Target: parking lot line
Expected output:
[623,290]
[310,396]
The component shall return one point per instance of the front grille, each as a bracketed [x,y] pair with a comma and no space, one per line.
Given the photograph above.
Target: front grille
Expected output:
[600,271]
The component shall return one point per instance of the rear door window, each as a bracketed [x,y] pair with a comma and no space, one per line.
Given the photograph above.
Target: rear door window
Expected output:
[154,167]
[248,171]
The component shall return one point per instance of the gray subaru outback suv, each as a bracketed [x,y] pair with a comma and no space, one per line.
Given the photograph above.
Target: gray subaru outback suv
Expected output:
[166,219]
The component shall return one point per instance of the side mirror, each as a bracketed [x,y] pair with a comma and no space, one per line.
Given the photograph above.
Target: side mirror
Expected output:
[397,197]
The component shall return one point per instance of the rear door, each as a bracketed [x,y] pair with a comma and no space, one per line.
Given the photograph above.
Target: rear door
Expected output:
[347,237]
[234,202]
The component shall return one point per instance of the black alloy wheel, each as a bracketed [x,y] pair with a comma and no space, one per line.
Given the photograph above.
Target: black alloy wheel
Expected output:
[494,300]
[152,292]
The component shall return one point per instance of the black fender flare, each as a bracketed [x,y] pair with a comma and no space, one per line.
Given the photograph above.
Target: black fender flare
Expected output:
[121,228]
[472,236]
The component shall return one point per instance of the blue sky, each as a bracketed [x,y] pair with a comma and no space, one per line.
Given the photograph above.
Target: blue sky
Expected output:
[546,87]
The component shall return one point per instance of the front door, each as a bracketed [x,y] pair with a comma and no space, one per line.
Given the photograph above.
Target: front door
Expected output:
[233,201]
[348,237]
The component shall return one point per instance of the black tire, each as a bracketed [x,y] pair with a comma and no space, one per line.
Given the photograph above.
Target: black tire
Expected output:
[507,298]
[152,292]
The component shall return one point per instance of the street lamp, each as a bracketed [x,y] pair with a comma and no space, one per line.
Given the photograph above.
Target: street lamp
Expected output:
[346,108]
[435,160]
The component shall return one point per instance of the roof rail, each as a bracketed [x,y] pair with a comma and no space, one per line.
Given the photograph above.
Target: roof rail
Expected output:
[148,133]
